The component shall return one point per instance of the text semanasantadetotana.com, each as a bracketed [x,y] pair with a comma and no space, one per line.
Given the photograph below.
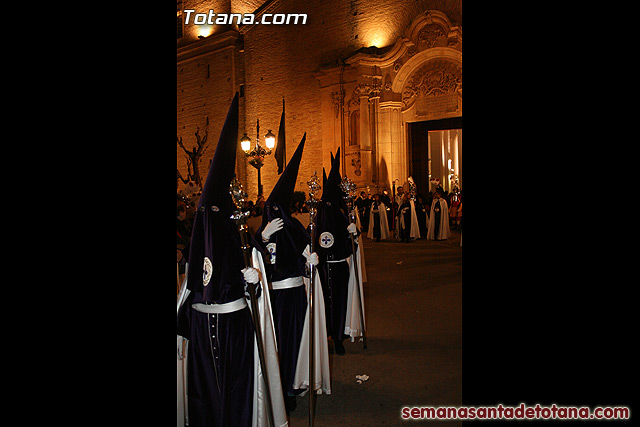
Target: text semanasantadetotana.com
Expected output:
[522,412]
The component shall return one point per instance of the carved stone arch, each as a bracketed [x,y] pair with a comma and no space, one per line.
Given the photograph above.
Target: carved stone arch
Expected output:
[430,84]
[419,59]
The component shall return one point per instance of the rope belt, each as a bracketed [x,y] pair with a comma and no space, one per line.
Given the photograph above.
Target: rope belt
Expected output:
[340,260]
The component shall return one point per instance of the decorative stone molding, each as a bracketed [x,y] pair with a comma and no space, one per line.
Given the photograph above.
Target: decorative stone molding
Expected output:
[432,35]
[337,98]
[360,91]
[434,78]
[443,55]
[356,162]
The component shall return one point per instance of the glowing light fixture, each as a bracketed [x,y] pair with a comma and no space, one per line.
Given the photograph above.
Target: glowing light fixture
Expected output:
[256,156]
[270,140]
[204,30]
[245,143]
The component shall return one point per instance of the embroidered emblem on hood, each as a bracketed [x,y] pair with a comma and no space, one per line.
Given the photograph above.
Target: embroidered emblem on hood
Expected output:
[207,268]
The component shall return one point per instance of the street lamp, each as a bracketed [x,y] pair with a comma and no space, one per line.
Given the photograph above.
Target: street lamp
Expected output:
[270,139]
[257,154]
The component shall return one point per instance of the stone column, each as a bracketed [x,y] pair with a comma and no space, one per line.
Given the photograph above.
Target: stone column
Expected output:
[390,152]
[365,138]
[369,153]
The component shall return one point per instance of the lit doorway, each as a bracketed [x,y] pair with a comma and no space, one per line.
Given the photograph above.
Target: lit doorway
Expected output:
[436,154]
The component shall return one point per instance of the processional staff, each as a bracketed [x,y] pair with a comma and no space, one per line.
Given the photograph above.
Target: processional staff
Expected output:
[349,189]
[240,218]
[312,203]
[413,188]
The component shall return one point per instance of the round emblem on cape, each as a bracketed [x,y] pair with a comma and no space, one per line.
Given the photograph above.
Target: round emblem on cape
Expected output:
[207,268]
[326,239]
[271,247]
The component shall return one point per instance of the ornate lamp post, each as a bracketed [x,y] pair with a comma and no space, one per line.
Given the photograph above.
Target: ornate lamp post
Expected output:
[257,154]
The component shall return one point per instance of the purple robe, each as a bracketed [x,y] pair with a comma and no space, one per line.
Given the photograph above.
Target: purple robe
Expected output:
[220,353]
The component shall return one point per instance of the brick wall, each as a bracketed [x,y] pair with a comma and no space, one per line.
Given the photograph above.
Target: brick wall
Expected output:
[202,99]
[279,60]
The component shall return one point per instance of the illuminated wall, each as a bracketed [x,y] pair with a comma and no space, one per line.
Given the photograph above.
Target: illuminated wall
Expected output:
[303,63]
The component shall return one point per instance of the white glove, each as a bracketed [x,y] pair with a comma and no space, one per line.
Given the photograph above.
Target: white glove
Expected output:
[312,258]
[271,228]
[250,275]
[352,228]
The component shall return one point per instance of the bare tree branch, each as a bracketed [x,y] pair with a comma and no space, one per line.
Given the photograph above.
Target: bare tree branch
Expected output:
[194,155]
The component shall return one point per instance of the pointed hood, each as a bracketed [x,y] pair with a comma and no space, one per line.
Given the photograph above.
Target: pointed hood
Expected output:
[331,191]
[283,190]
[292,239]
[215,257]
[216,189]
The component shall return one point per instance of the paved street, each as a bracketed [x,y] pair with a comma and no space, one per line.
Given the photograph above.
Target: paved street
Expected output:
[413,302]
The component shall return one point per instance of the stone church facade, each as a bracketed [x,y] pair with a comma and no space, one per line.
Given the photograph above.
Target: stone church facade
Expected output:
[368,77]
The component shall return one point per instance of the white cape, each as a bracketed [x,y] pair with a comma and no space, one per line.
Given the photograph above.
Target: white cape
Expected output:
[183,416]
[353,326]
[272,368]
[364,267]
[415,227]
[443,232]
[182,391]
[322,380]
[384,223]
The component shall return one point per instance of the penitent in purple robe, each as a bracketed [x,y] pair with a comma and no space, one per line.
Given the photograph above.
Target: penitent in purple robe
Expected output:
[220,356]
[334,248]
[285,266]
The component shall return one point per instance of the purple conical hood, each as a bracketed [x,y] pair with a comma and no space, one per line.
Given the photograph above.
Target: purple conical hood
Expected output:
[283,190]
[216,188]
